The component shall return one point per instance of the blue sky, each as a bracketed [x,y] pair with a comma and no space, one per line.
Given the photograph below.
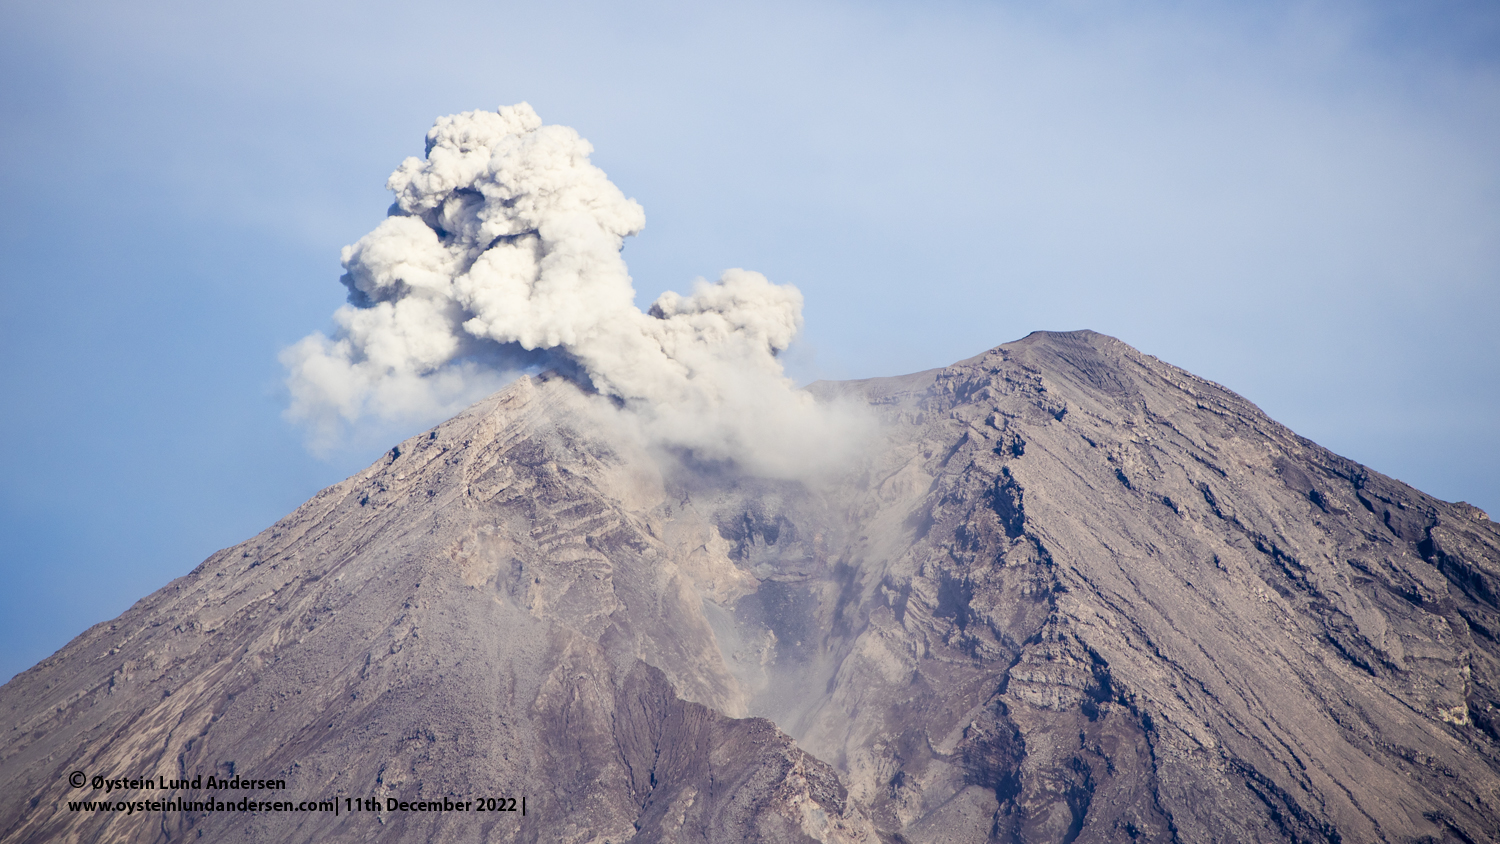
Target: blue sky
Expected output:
[1300,201]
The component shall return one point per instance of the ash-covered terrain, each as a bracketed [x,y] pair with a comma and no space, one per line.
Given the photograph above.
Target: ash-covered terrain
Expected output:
[1066,593]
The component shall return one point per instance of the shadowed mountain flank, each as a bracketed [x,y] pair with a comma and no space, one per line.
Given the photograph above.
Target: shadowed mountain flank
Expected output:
[1072,593]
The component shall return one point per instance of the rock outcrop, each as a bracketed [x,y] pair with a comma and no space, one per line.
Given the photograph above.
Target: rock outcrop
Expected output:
[1072,594]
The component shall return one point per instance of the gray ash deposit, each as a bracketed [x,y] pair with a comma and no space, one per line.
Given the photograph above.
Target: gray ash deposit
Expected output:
[1067,593]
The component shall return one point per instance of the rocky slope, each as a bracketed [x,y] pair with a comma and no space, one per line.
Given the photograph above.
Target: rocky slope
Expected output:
[1072,594]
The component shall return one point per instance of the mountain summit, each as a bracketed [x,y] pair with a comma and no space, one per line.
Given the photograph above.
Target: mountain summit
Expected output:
[1069,593]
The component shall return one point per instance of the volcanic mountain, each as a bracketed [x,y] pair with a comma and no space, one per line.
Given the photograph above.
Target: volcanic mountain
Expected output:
[1070,593]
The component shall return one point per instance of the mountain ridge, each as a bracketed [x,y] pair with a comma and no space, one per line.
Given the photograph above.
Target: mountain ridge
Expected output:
[1072,593]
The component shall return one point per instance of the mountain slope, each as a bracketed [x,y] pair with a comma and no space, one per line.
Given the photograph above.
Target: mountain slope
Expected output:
[465,619]
[1130,604]
[1071,594]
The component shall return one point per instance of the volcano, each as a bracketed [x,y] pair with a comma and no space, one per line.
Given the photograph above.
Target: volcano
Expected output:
[1069,593]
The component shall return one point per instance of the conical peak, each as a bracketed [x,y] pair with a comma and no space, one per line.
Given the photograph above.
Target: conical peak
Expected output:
[1070,590]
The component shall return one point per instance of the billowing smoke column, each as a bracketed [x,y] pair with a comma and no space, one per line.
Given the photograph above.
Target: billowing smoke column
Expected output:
[506,238]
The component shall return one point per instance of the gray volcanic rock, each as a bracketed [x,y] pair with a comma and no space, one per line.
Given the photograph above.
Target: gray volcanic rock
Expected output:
[1072,594]
[1124,603]
[484,613]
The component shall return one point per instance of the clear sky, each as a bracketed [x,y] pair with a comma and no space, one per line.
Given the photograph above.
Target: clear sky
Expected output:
[1300,201]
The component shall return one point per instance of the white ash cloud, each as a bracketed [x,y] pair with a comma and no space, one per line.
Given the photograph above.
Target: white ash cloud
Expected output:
[502,250]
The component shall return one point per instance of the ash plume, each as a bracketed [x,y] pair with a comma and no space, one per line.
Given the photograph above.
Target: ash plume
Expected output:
[502,252]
